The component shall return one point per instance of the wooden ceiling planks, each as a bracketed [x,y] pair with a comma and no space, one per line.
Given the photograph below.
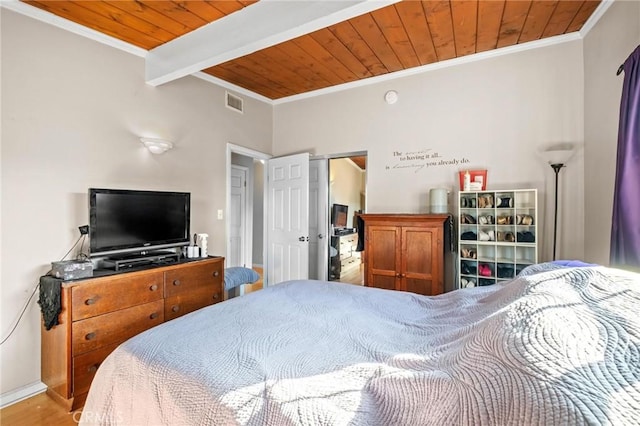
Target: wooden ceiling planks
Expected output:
[513,18]
[537,19]
[397,37]
[586,10]
[489,21]
[440,22]
[413,19]
[464,14]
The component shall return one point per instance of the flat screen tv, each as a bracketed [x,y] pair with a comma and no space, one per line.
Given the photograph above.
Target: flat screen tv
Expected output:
[339,215]
[122,221]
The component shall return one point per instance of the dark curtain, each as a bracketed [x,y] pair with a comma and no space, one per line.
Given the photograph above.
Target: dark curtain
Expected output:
[625,227]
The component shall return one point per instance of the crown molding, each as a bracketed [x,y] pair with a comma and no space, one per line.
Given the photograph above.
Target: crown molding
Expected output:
[435,66]
[65,24]
[595,17]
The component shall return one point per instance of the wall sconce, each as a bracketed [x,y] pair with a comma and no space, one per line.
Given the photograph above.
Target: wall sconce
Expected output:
[557,158]
[156,146]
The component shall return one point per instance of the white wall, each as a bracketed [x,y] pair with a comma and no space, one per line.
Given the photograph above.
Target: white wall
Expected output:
[495,113]
[606,46]
[72,113]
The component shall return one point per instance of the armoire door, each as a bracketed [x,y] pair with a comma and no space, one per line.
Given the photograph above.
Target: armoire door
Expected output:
[383,250]
[420,268]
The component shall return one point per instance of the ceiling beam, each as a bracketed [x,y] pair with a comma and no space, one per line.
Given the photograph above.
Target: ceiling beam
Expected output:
[256,27]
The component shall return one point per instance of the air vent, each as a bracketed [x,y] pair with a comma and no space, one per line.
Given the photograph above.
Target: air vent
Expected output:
[234,102]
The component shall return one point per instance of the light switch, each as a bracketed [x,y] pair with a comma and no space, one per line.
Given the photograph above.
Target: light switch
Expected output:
[220,215]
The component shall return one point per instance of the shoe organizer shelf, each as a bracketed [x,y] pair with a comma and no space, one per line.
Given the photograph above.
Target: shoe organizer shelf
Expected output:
[497,235]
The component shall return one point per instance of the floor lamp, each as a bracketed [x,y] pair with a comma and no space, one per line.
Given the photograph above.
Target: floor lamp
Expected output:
[557,158]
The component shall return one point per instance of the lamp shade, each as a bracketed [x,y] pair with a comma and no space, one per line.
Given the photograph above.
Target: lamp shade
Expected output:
[156,146]
[557,156]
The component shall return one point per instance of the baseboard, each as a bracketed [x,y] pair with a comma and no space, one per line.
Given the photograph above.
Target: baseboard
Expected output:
[17,395]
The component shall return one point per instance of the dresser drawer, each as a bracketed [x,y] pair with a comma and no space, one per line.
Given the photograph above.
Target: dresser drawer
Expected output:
[86,365]
[115,327]
[184,303]
[102,296]
[188,279]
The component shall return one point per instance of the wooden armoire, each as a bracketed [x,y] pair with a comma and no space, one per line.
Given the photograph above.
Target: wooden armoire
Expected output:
[405,252]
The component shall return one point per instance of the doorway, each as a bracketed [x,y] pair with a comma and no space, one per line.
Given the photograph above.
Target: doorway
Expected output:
[347,198]
[331,173]
[244,222]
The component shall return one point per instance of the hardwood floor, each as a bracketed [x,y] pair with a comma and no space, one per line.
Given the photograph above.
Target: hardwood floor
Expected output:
[354,276]
[39,410]
[248,288]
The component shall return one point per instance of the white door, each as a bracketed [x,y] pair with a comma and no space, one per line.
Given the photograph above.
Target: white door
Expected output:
[288,218]
[237,217]
[318,223]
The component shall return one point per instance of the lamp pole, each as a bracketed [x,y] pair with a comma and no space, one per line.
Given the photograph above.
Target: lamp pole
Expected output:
[556,168]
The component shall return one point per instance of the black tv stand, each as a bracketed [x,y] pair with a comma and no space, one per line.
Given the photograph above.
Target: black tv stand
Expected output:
[129,261]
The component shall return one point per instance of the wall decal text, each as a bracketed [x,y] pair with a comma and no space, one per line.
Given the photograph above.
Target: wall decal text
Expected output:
[420,160]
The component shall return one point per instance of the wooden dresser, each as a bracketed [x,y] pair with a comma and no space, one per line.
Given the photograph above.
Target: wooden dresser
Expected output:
[100,313]
[405,252]
[346,258]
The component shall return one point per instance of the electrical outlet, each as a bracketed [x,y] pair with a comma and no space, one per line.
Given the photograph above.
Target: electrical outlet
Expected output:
[220,215]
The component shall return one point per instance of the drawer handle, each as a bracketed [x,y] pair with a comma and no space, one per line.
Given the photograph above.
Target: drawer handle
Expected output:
[153,315]
[175,308]
[215,296]
[93,368]
[154,287]
[90,336]
[176,282]
[90,301]
[216,273]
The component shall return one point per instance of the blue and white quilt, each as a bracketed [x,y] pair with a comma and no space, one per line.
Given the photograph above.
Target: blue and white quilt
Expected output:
[557,345]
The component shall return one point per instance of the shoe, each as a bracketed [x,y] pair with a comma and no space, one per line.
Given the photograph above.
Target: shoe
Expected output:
[504,220]
[463,202]
[527,220]
[484,270]
[467,219]
[504,202]
[492,235]
[483,236]
[526,237]
[482,220]
[485,201]
[500,236]
[508,236]
[469,235]
[505,271]
[468,268]
[467,283]
[468,253]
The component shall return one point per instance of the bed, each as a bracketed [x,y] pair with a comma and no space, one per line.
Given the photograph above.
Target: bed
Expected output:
[556,345]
